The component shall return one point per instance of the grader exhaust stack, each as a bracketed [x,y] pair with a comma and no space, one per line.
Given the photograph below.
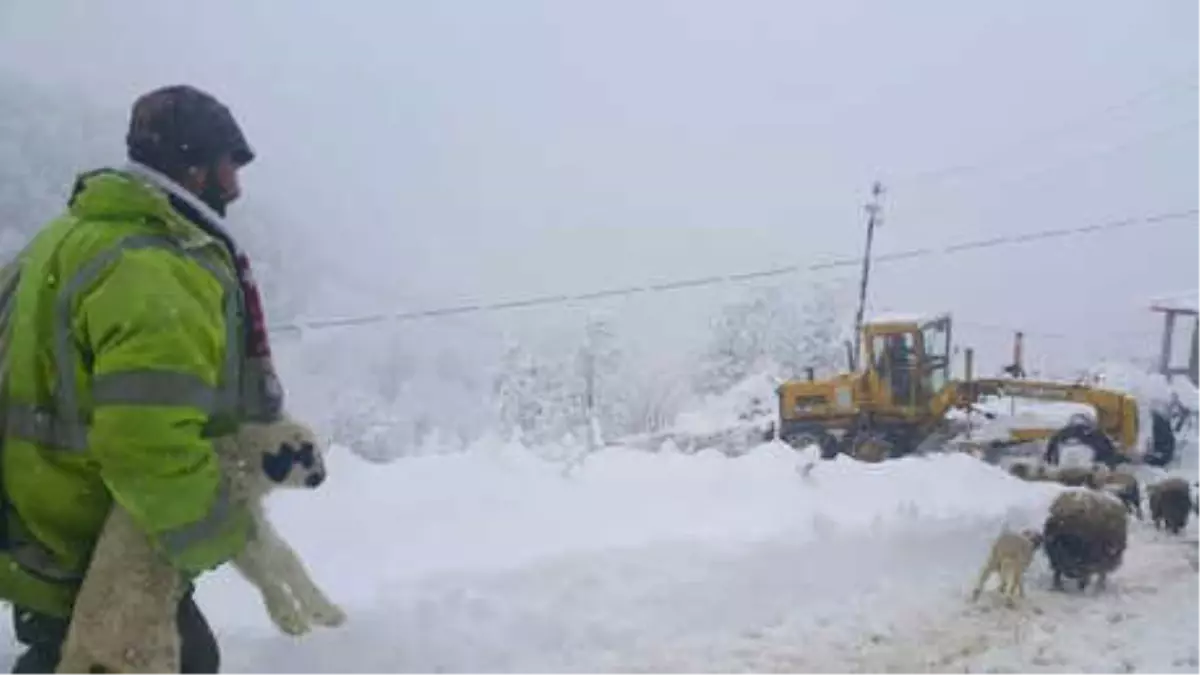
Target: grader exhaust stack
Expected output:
[1018,355]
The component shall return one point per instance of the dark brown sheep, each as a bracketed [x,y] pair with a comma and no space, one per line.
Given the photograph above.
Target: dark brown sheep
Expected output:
[1085,534]
[1125,487]
[1076,476]
[1170,502]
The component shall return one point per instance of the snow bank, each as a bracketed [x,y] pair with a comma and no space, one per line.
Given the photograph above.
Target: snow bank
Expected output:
[499,507]
[750,401]
[1151,389]
[1020,413]
[732,421]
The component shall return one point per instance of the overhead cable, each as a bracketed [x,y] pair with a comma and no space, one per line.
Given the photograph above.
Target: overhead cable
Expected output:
[712,280]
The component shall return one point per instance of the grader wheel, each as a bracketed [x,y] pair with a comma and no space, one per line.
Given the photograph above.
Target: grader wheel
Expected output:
[808,436]
[872,448]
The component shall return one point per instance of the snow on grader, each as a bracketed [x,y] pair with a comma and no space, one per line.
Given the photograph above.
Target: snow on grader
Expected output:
[897,398]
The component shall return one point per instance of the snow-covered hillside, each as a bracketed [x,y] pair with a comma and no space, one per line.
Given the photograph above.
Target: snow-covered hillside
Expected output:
[495,560]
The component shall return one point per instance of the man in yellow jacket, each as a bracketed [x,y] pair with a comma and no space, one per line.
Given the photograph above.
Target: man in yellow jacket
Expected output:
[134,336]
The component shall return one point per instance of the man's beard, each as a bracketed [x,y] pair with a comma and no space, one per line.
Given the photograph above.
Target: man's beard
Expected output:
[214,197]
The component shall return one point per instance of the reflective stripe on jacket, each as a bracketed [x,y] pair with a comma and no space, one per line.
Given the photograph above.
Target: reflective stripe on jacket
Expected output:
[124,360]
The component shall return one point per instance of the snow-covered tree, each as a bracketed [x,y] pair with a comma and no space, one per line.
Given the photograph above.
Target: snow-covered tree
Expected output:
[515,391]
[534,395]
[812,335]
[598,368]
[774,330]
[573,385]
[652,402]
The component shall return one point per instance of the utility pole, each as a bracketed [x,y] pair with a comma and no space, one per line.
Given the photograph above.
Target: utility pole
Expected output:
[589,397]
[874,219]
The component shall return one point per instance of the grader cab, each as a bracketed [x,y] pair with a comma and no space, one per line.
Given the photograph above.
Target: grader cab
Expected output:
[896,400]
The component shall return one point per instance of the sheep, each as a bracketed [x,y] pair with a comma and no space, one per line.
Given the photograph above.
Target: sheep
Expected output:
[124,615]
[1076,476]
[871,450]
[1021,470]
[1044,474]
[1085,533]
[1032,471]
[1009,558]
[1170,501]
[1124,486]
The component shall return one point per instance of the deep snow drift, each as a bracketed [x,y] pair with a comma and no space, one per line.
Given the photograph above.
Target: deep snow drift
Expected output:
[495,559]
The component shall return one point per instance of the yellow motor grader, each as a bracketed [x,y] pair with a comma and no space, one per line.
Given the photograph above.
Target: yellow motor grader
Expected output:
[897,398]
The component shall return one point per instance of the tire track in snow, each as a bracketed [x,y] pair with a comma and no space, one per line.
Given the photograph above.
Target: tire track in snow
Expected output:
[1146,620]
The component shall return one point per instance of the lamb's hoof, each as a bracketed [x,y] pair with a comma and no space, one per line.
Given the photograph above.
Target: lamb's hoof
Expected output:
[290,621]
[329,615]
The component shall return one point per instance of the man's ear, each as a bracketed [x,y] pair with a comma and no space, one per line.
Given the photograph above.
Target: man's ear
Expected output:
[194,178]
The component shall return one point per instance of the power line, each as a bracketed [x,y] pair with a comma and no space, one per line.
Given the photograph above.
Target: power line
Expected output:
[1103,151]
[850,261]
[1064,128]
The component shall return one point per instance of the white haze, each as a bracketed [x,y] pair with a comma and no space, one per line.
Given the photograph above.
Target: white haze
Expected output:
[416,155]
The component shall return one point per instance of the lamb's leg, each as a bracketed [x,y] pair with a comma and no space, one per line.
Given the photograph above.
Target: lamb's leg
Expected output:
[1021,581]
[1015,581]
[254,564]
[291,570]
[983,577]
[1008,583]
[1101,581]
[124,619]
[1058,584]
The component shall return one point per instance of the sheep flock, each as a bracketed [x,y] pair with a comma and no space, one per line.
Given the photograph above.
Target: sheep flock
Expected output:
[1085,533]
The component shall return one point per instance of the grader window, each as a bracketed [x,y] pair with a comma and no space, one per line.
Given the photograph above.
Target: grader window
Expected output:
[937,361]
[895,360]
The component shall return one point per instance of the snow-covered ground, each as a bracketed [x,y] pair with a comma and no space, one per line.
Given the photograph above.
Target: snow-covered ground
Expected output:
[496,560]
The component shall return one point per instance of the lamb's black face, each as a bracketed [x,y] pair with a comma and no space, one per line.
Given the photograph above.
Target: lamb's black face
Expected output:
[296,464]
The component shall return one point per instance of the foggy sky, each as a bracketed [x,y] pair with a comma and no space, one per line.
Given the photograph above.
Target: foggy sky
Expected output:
[427,153]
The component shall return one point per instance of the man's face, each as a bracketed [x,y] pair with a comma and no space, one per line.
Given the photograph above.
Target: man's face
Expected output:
[217,185]
[227,179]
